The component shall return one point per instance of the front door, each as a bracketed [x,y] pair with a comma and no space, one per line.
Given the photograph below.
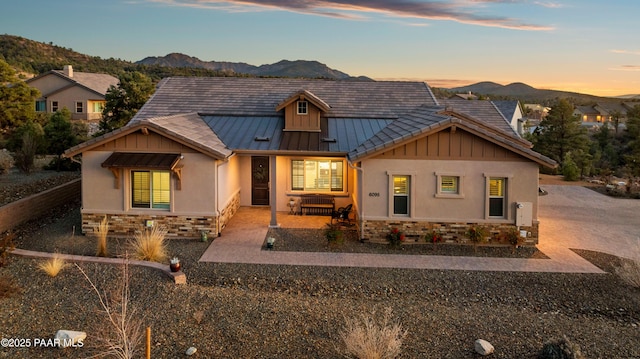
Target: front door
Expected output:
[260,180]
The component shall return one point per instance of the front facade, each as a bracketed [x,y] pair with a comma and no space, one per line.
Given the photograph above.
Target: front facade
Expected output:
[390,149]
[82,93]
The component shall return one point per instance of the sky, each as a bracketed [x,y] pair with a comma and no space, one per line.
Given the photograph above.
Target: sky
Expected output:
[586,46]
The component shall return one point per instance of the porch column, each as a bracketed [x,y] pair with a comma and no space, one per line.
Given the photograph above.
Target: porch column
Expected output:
[273,185]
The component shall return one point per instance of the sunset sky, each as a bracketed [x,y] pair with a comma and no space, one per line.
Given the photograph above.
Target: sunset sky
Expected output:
[587,46]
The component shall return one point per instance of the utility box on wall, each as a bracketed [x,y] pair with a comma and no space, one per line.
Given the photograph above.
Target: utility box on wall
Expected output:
[524,214]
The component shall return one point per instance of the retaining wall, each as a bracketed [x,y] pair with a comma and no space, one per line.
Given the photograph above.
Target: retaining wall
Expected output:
[37,205]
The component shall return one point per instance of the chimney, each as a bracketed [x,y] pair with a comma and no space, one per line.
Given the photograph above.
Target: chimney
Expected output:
[68,70]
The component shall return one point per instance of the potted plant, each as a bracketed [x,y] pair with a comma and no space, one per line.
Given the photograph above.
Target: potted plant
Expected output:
[174,264]
[395,237]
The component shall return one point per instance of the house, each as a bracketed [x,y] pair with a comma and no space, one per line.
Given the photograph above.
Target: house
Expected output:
[82,93]
[512,112]
[202,147]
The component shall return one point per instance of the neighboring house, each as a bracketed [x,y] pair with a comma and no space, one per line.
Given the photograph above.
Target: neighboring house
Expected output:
[590,116]
[512,112]
[82,93]
[202,147]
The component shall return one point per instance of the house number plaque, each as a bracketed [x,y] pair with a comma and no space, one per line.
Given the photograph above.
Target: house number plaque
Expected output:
[374,194]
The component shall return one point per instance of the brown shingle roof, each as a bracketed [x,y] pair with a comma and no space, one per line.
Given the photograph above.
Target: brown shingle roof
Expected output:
[261,96]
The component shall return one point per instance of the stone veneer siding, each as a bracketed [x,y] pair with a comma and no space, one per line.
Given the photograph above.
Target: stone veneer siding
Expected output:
[377,230]
[178,226]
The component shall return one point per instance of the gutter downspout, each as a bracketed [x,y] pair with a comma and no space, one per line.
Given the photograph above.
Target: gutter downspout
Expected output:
[360,199]
[216,191]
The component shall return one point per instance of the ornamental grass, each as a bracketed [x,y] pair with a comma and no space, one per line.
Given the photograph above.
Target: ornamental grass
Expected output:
[149,245]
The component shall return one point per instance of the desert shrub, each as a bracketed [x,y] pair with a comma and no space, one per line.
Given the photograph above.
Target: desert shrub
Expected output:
[560,349]
[6,161]
[102,230]
[53,266]
[629,270]
[395,237]
[364,338]
[8,287]
[149,244]
[25,156]
[120,334]
[333,233]
[570,169]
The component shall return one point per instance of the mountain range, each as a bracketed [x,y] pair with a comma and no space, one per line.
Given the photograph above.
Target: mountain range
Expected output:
[284,68]
[30,58]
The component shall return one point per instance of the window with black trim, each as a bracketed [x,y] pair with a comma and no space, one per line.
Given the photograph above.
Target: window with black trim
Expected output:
[54,106]
[303,108]
[79,107]
[317,175]
[150,189]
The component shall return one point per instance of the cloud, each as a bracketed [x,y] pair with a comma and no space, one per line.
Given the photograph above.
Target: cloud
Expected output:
[626,52]
[627,68]
[459,11]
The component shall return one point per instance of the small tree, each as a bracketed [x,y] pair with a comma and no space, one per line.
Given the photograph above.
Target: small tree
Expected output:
[25,156]
[570,169]
[59,137]
[124,100]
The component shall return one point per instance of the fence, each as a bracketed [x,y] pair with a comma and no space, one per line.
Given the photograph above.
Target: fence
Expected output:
[35,206]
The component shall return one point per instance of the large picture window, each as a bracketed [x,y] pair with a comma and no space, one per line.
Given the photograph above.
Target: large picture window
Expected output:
[401,195]
[317,175]
[150,189]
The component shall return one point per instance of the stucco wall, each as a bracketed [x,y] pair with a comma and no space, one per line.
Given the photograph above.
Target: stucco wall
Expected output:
[197,196]
[425,206]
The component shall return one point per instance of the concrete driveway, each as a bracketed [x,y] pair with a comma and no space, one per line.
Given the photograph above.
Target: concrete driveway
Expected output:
[577,217]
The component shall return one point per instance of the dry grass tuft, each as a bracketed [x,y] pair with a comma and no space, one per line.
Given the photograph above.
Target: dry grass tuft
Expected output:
[102,230]
[629,272]
[366,339]
[149,245]
[53,266]
[629,269]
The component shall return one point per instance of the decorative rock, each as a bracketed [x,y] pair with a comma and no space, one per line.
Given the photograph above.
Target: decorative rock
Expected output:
[483,347]
[191,351]
[68,338]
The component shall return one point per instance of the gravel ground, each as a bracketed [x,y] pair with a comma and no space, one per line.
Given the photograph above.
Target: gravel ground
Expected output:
[16,185]
[269,311]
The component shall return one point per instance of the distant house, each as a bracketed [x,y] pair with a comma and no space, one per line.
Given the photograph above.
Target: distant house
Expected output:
[202,147]
[604,114]
[512,111]
[81,93]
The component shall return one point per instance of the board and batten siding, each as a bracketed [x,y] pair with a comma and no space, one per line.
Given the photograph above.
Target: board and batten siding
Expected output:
[448,145]
[308,122]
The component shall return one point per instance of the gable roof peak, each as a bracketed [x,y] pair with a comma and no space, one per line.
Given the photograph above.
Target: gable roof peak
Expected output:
[302,95]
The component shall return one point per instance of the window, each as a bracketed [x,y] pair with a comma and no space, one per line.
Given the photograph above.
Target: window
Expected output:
[98,107]
[401,195]
[302,108]
[449,185]
[150,189]
[317,175]
[79,107]
[41,106]
[496,197]
[54,106]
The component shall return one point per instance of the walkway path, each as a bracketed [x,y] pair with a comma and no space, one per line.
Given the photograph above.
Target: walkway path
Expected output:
[565,223]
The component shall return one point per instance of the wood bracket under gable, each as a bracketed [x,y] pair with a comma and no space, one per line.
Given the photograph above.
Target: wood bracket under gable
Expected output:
[177,171]
[116,175]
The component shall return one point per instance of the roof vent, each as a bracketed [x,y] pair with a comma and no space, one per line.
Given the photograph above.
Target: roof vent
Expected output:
[261,139]
[329,139]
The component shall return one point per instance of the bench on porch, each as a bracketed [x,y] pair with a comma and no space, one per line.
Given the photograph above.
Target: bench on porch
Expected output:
[318,204]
